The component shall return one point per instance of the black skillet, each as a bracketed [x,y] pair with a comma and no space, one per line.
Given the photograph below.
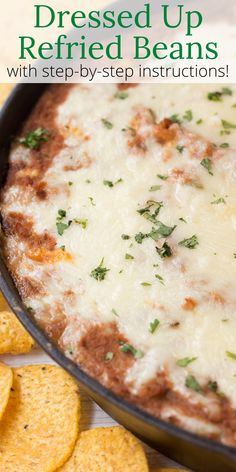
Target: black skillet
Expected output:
[197,453]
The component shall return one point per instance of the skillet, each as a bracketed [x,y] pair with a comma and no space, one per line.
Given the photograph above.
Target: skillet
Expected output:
[197,453]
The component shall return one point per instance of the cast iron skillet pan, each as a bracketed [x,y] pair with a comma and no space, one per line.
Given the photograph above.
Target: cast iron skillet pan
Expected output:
[195,452]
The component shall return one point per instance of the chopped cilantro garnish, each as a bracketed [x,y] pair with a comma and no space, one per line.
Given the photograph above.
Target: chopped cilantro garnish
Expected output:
[146,284]
[217,96]
[213,386]
[125,236]
[114,312]
[99,273]
[63,247]
[176,119]
[218,200]
[129,348]
[111,184]
[162,177]
[154,325]
[185,361]
[61,214]
[83,223]
[164,251]
[109,356]
[191,382]
[128,256]
[151,211]
[199,122]
[190,243]
[164,230]
[182,219]
[180,149]
[227,125]
[153,188]
[107,123]
[33,139]
[87,181]
[92,201]
[188,115]
[121,95]
[207,163]
[61,227]
[224,145]
[70,183]
[161,280]
[139,237]
[231,355]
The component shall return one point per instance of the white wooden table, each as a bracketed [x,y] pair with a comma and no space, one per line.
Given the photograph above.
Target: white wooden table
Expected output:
[92,415]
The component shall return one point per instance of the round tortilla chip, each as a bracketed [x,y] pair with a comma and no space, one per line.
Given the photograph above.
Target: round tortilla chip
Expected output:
[13,337]
[5,90]
[168,470]
[6,379]
[39,428]
[107,449]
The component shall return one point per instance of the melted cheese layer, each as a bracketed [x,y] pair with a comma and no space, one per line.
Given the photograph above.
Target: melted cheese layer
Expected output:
[191,293]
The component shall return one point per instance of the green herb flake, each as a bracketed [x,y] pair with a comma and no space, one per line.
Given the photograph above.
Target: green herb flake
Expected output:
[224,145]
[154,188]
[175,118]
[83,223]
[192,383]
[188,115]
[128,256]
[92,201]
[61,214]
[161,280]
[199,122]
[99,273]
[185,361]
[151,211]
[227,125]
[207,164]
[162,177]
[107,123]
[183,220]
[139,237]
[111,184]
[217,96]
[33,139]
[61,227]
[165,230]
[70,184]
[128,348]
[146,284]
[154,325]
[164,251]
[213,386]
[109,356]
[180,149]
[125,237]
[231,355]
[114,312]
[63,247]
[189,243]
[121,95]
[218,200]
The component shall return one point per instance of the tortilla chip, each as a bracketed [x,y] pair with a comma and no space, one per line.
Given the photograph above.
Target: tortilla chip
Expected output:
[6,379]
[39,428]
[5,89]
[107,449]
[169,470]
[13,337]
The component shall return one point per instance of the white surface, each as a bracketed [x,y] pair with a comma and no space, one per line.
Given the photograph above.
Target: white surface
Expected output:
[92,415]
